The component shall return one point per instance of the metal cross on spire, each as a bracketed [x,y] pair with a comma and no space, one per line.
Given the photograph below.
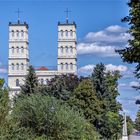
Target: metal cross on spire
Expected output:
[18,13]
[67,13]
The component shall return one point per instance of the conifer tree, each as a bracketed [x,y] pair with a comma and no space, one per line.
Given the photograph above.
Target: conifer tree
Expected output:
[105,84]
[111,83]
[31,84]
[98,79]
[4,102]
[137,121]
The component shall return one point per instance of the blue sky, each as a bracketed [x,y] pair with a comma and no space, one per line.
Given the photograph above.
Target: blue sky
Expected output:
[99,32]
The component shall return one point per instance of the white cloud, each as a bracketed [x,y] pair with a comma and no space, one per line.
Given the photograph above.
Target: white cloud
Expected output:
[134,84]
[112,33]
[94,48]
[120,68]
[104,42]
[87,69]
[116,28]
[3,70]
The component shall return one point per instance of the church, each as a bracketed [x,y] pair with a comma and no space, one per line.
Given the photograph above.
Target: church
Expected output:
[19,61]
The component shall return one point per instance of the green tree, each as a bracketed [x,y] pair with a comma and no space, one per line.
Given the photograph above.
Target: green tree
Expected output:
[111,126]
[62,85]
[111,83]
[46,118]
[137,121]
[105,84]
[130,125]
[84,98]
[4,102]
[131,54]
[31,84]
[98,79]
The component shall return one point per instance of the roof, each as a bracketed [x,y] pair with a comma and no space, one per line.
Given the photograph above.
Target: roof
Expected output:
[18,23]
[42,68]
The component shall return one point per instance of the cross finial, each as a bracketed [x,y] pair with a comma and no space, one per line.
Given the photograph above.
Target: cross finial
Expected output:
[67,12]
[18,13]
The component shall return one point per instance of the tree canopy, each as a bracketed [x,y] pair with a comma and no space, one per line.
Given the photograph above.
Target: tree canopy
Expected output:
[131,54]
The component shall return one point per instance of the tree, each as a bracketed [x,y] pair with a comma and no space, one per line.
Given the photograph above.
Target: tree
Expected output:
[111,83]
[98,79]
[131,54]
[105,84]
[62,85]
[31,84]
[130,125]
[45,117]
[137,121]
[84,98]
[4,102]
[111,126]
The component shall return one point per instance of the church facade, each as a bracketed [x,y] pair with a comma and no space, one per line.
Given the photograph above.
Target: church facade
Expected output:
[19,61]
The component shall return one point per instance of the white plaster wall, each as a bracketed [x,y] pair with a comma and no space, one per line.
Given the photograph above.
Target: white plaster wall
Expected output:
[67,56]
[20,37]
[20,53]
[17,57]
[12,81]
[68,28]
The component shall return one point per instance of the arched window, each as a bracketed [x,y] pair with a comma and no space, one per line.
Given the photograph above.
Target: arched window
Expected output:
[12,49]
[66,66]
[17,49]
[71,66]
[17,33]
[71,49]
[17,82]
[13,66]
[22,33]
[12,33]
[42,81]
[66,33]
[62,66]
[66,49]
[61,48]
[61,32]
[22,66]
[71,33]
[22,49]
[17,66]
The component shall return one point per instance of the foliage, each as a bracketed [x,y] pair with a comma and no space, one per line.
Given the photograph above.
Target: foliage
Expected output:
[98,79]
[31,83]
[131,54]
[137,121]
[35,113]
[111,126]
[105,84]
[84,98]
[4,102]
[130,125]
[8,129]
[111,83]
[62,85]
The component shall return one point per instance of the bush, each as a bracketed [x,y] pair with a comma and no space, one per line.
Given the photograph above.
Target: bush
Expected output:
[47,117]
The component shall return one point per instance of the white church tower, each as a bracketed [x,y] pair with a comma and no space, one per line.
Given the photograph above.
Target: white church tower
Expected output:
[18,60]
[67,53]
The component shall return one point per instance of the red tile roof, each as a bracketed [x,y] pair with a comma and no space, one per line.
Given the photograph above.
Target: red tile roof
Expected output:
[43,68]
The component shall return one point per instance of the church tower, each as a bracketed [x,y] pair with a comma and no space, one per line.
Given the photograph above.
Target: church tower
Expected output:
[67,53]
[18,60]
